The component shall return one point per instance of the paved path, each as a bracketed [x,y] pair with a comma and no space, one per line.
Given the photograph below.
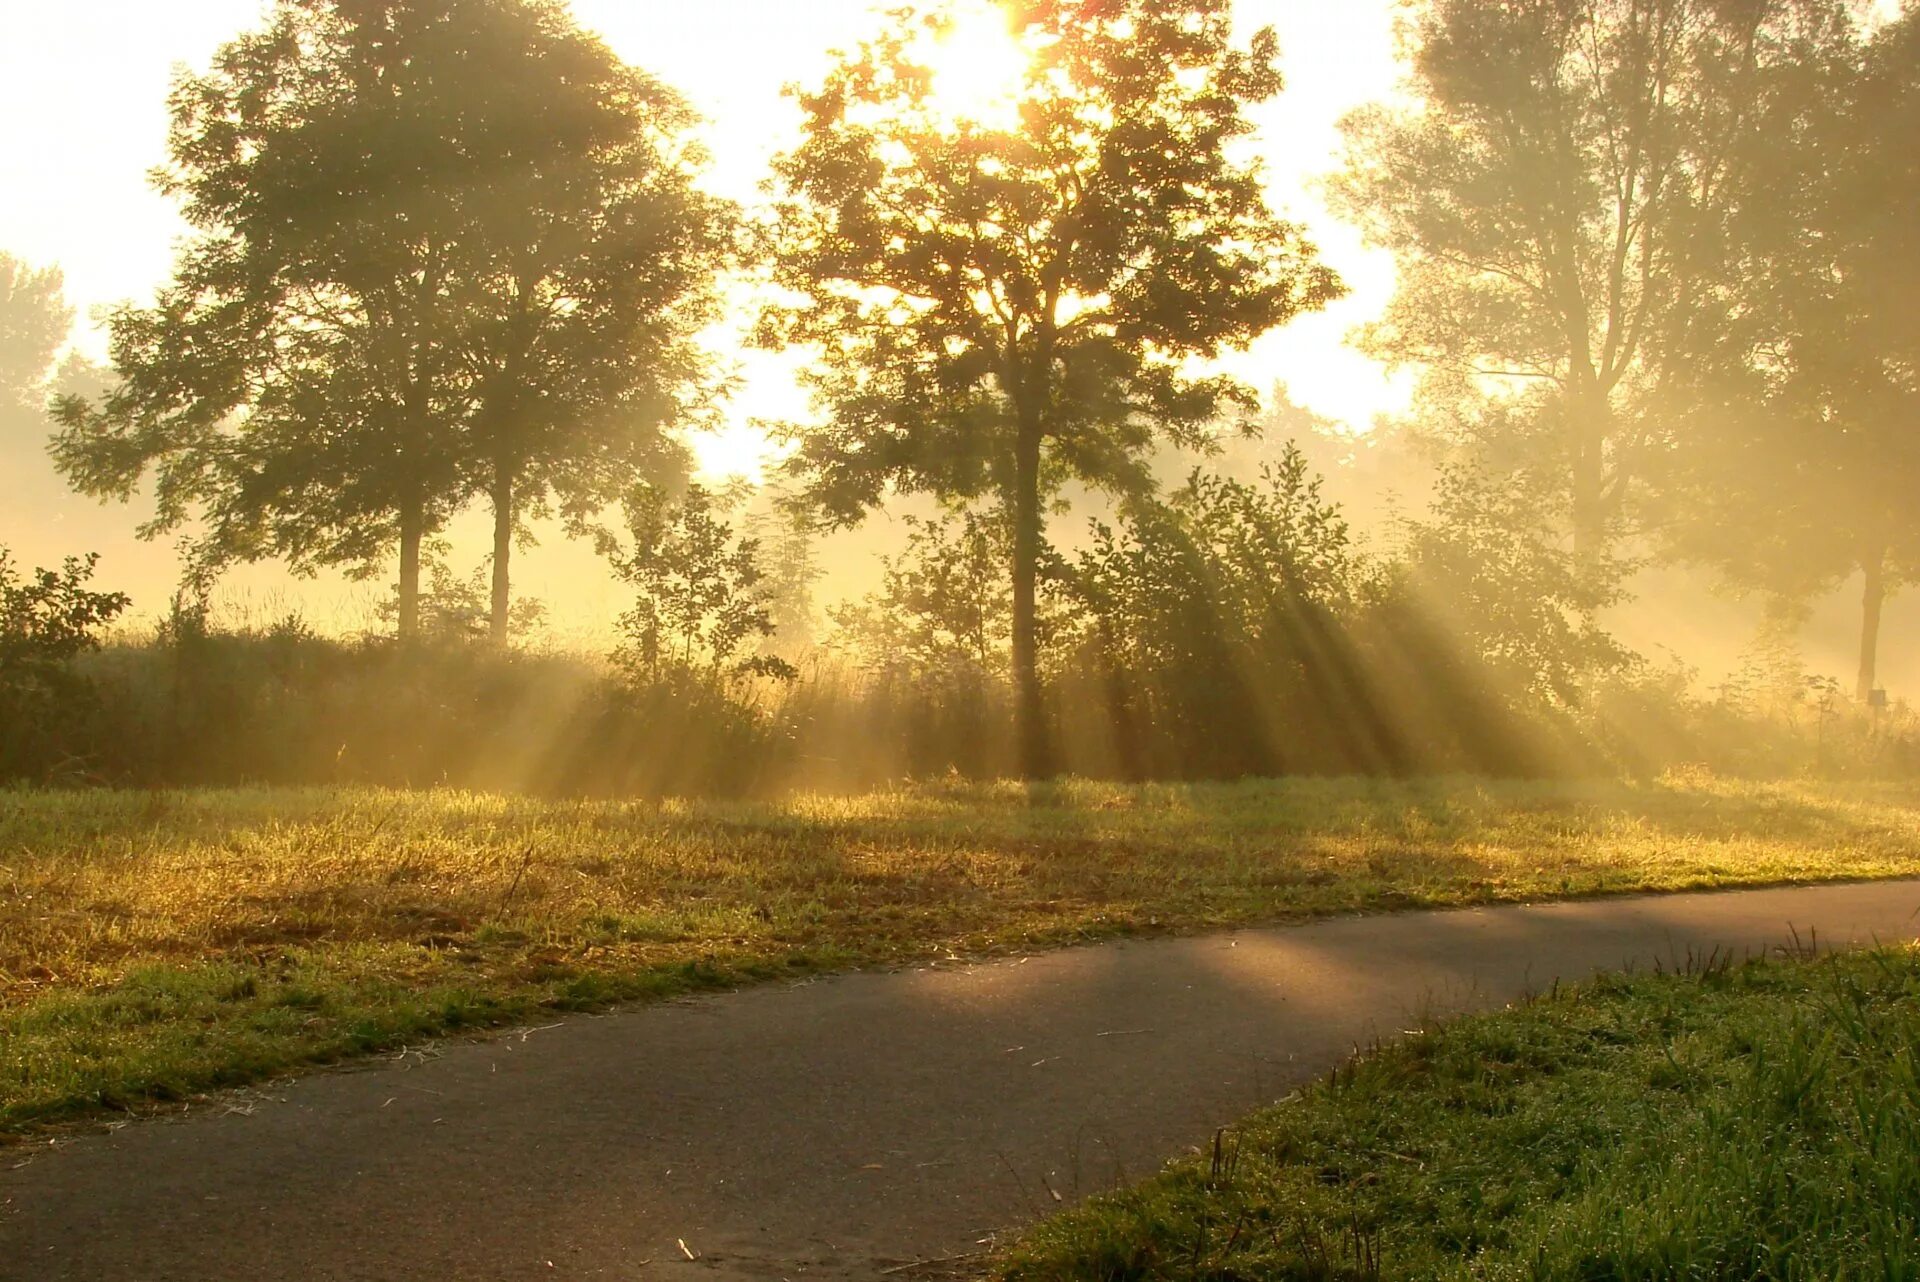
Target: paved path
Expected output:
[835,1130]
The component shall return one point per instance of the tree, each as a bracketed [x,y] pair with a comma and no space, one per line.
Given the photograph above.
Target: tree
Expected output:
[1490,575]
[1543,199]
[999,307]
[294,386]
[941,616]
[1803,360]
[34,322]
[587,270]
[409,215]
[701,596]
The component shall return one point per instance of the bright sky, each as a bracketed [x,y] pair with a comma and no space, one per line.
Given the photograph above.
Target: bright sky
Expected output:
[82,120]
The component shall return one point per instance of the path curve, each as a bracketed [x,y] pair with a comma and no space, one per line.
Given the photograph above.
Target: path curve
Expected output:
[834,1130]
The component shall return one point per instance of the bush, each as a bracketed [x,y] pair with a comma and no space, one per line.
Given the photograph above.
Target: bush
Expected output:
[47,619]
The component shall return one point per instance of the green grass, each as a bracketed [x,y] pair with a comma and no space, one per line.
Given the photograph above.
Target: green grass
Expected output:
[1761,1122]
[156,945]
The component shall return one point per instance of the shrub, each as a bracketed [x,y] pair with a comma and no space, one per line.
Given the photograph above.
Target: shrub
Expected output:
[47,618]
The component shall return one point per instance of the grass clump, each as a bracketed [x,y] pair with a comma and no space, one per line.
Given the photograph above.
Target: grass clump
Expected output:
[1758,1122]
[153,945]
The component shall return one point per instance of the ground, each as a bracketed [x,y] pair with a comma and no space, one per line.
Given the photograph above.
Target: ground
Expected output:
[1755,1121]
[889,1123]
[153,945]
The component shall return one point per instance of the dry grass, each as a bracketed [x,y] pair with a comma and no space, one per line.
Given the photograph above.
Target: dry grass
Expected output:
[156,944]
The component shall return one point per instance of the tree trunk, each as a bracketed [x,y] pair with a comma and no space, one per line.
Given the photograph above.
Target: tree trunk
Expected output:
[500,617]
[412,531]
[1589,429]
[1873,598]
[1029,712]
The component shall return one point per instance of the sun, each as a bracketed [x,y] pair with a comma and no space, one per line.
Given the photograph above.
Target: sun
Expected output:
[737,452]
[979,67]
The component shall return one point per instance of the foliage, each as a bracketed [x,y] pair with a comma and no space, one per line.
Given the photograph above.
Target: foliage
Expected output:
[1544,199]
[454,610]
[1220,623]
[1490,568]
[1759,1121]
[1802,381]
[998,307]
[201,701]
[34,320]
[790,564]
[942,607]
[46,620]
[381,917]
[933,646]
[404,284]
[701,597]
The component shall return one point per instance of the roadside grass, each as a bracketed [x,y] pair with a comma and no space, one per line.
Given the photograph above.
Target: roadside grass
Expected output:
[154,945]
[1756,1122]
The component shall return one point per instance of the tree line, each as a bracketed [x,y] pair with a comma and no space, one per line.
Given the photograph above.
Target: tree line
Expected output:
[1656,260]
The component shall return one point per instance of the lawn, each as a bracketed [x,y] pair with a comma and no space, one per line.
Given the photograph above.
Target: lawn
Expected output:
[155,945]
[1757,1122]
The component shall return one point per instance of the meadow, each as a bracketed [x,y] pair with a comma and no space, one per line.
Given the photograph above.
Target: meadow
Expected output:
[1759,1121]
[155,945]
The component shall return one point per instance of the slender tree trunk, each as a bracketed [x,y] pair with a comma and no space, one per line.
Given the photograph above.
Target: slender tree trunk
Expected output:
[1589,428]
[1873,599]
[412,531]
[500,617]
[1029,712]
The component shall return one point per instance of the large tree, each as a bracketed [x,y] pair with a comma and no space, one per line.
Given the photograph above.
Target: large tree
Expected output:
[588,265]
[1542,186]
[1801,457]
[293,389]
[1001,305]
[409,214]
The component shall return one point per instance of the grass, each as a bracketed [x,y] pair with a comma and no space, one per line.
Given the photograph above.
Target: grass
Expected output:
[1760,1122]
[156,945]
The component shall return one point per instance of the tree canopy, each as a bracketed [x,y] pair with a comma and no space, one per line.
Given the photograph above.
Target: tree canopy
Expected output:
[34,322]
[1799,362]
[410,217]
[1001,306]
[1544,191]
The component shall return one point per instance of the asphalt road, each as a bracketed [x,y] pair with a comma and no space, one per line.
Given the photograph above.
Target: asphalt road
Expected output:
[839,1129]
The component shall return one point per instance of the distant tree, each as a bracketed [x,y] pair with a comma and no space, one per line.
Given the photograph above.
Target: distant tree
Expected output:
[1801,459]
[999,308]
[460,610]
[34,323]
[1542,191]
[1375,472]
[941,615]
[1488,571]
[790,559]
[410,217]
[702,600]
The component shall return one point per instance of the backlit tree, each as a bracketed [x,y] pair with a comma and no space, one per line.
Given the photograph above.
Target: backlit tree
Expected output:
[1005,297]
